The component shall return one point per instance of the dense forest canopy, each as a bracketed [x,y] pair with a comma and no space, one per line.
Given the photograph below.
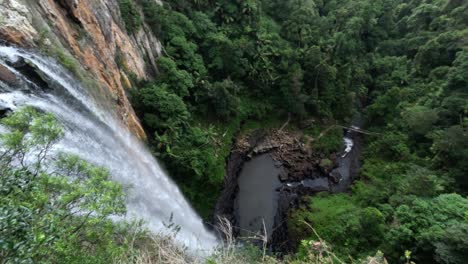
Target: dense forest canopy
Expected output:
[232,64]
[402,63]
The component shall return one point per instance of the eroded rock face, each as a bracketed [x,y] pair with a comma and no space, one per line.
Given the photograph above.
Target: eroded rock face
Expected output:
[91,31]
[15,26]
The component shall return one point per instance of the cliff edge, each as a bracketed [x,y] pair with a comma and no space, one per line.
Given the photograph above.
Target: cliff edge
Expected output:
[89,38]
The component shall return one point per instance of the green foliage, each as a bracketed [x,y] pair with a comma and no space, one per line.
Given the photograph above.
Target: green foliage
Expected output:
[328,140]
[130,15]
[165,111]
[391,146]
[52,217]
[256,62]
[179,81]
[185,148]
[66,60]
[337,218]
[216,43]
[221,97]
[451,152]
[419,119]
[435,228]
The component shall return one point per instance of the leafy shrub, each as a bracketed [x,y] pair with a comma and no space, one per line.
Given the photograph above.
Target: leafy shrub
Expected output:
[350,229]
[66,61]
[326,140]
[130,15]
[53,217]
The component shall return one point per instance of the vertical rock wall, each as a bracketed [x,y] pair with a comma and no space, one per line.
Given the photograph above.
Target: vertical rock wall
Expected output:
[89,37]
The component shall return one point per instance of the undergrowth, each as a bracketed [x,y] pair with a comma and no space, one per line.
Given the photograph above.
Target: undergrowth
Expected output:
[152,249]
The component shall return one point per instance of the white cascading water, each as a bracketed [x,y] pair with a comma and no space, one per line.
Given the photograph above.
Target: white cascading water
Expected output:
[98,136]
[349,143]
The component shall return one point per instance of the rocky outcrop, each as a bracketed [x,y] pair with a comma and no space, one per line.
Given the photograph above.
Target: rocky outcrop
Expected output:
[89,36]
[285,147]
[15,23]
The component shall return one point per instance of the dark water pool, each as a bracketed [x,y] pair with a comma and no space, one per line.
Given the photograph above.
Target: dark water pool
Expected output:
[257,200]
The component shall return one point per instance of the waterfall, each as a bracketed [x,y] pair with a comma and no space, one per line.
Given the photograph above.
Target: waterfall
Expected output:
[348,140]
[348,143]
[98,136]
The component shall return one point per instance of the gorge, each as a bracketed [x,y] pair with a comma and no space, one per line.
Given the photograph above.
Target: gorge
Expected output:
[271,175]
[233,131]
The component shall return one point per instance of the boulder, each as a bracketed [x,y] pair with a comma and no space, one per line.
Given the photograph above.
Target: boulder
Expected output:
[335,177]
[283,176]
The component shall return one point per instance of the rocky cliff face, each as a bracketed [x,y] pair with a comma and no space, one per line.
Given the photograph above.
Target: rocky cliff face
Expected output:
[89,38]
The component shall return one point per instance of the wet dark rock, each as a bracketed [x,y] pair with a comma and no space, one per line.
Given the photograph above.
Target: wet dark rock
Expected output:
[225,207]
[279,240]
[283,176]
[4,111]
[30,71]
[7,76]
[335,176]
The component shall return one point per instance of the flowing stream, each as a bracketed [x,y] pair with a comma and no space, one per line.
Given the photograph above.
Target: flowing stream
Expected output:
[348,161]
[97,135]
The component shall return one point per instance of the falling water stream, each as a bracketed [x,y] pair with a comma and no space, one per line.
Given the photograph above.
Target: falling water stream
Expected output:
[98,136]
